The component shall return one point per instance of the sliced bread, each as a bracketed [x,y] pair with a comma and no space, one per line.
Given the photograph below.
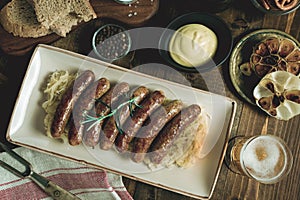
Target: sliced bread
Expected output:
[18,18]
[61,15]
[47,12]
[63,26]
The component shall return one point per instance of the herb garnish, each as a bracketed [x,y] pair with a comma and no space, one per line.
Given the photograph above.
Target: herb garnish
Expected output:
[96,120]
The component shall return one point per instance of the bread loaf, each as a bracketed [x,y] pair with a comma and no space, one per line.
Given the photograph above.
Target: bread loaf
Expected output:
[61,15]
[19,18]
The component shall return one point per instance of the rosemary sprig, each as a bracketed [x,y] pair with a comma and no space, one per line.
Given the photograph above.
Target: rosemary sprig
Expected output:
[105,104]
[119,129]
[96,120]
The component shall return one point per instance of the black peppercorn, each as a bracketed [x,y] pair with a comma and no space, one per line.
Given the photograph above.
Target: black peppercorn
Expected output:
[111,42]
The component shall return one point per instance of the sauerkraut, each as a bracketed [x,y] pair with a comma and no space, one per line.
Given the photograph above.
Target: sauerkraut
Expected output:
[58,82]
[196,134]
[187,148]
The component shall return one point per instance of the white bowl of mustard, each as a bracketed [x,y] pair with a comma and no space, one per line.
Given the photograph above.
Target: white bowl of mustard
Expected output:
[196,42]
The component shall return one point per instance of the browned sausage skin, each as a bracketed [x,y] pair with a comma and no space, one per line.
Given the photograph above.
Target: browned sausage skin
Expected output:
[113,124]
[134,123]
[102,108]
[139,94]
[65,107]
[157,121]
[85,102]
[165,139]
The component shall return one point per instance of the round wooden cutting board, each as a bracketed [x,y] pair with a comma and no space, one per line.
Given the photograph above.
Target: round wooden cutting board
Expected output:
[134,14]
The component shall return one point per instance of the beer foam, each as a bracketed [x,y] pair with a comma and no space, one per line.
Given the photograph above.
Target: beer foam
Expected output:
[263,158]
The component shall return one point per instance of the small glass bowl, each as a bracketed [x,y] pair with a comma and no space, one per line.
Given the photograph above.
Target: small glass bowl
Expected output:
[111,42]
[125,1]
[275,11]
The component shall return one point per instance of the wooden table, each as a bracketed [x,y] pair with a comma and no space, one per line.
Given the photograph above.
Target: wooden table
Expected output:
[241,18]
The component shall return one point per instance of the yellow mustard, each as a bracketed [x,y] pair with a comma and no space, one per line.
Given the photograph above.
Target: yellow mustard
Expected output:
[193,45]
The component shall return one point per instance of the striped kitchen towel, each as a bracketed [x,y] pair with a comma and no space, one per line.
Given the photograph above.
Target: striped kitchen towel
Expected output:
[85,182]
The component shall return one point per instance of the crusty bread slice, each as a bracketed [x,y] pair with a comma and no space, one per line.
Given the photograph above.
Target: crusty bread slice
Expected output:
[19,18]
[61,15]
[84,10]
[47,12]
[63,26]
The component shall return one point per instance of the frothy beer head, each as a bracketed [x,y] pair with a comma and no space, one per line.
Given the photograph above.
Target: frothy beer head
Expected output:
[264,158]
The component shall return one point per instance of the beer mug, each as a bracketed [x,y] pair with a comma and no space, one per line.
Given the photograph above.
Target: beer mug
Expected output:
[265,158]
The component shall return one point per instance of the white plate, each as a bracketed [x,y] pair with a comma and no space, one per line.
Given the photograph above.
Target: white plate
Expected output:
[26,125]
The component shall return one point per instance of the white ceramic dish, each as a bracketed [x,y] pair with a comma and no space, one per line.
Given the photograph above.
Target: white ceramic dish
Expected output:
[26,125]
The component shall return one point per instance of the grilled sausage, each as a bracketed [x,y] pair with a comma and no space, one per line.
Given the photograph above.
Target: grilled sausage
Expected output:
[133,124]
[85,102]
[140,94]
[171,131]
[64,108]
[102,108]
[111,128]
[157,121]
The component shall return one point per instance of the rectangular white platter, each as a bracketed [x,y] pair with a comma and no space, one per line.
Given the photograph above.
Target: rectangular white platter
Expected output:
[26,124]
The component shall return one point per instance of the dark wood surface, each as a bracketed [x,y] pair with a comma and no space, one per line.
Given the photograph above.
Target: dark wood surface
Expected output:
[241,17]
[135,14]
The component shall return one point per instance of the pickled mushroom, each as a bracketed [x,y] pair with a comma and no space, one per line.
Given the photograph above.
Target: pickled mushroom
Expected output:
[279,4]
[286,4]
